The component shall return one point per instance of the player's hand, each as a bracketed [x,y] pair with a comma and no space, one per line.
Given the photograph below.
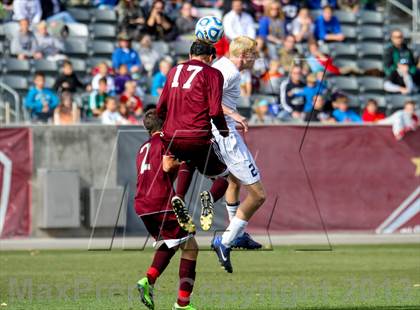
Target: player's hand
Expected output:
[240,120]
[170,163]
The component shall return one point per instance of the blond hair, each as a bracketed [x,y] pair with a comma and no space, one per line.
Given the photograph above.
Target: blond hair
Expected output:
[242,45]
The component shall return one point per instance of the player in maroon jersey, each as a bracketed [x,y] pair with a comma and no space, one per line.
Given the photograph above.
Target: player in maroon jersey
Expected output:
[155,177]
[191,99]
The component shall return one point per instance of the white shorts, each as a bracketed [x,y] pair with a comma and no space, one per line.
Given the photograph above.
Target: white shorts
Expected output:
[237,157]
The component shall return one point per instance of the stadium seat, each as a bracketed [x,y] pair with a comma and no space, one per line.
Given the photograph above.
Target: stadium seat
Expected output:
[371,50]
[94,61]
[181,48]
[104,31]
[315,14]
[369,64]
[78,30]
[209,12]
[161,47]
[149,99]
[344,50]
[104,16]
[49,82]
[345,17]
[345,63]
[271,88]
[10,29]
[396,102]
[348,85]
[16,82]
[45,66]
[81,15]
[350,32]
[2,34]
[354,102]
[371,33]
[13,65]
[371,85]
[102,48]
[76,47]
[79,65]
[371,18]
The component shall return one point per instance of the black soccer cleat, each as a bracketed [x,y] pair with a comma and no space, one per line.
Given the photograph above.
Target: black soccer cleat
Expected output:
[181,212]
[206,218]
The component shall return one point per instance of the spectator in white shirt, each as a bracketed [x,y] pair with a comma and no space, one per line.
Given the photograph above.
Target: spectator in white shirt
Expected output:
[238,23]
[103,73]
[27,9]
[111,116]
[303,26]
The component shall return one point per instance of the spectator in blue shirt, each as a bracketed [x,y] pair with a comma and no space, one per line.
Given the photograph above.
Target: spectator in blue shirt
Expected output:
[124,54]
[341,112]
[313,86]
[319,4]
[327,27]
[159,78]
[105,4]
[41,101]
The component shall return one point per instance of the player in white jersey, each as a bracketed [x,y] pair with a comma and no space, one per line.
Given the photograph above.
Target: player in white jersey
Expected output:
[235,153]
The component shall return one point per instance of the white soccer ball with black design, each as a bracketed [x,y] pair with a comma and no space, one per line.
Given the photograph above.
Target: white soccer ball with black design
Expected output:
[209,29]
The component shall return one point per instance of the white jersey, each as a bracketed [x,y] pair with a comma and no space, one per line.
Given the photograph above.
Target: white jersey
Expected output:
[231,85]
[233,149]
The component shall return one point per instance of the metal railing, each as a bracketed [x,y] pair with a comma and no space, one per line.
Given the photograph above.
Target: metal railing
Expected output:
[7,107]
[414,12]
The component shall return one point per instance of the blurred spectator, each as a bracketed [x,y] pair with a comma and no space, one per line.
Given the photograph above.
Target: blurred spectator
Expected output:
[271,26]
[129,118]
[111,116]
[238,23]
[67,81]
[159,78]
[148,56]
[368,4]
[27,9]
[288,54]
[327,27]
[397,51]
[371,113]
[50,47]
[313,88]
[121,79]
[124,54]
[400,81]
[158,25]
[403,121]
[319,4]
[302,26]
[263,58]
[79,2]
[271,78]
[103,72]
[317,61]
[53,10]
[349,5]
[261,112]
[290,10]
[209,3]
[185,23]
[24,43]
[41,101]
[97,98]
[341,112]
[131,100]
[318,114]
[67,112]
[131,17]
[245,86]
[291,104]
[105,4]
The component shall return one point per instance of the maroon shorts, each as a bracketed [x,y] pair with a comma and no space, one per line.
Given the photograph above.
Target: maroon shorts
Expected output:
[199,153]
[164,226]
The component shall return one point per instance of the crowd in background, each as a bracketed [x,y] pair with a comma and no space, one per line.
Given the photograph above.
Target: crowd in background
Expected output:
[291,59]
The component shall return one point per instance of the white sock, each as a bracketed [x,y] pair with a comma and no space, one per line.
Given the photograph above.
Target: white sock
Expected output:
[231,209]
[235,229]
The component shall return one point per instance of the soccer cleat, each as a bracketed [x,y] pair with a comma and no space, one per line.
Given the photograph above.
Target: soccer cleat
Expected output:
[223,253]
[187,307]
[206,218]
[146,293]
[246,242]
[181,212]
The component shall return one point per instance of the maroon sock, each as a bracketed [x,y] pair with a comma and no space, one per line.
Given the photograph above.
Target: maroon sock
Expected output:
[186,281]
[185,174]
[161,260]
[219,188]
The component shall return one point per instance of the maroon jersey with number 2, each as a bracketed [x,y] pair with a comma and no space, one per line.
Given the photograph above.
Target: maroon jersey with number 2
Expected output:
[191,98]
[154,186]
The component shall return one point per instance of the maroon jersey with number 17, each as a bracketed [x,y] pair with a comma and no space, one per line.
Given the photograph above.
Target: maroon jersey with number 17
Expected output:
[154,186]
[190,99]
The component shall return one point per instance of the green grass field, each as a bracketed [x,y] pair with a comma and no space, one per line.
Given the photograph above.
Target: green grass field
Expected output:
[350,277]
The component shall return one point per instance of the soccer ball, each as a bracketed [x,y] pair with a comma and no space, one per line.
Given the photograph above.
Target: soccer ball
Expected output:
[209,29]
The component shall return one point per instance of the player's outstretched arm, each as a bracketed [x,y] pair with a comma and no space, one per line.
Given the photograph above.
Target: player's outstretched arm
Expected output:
[241,120]
[215,103]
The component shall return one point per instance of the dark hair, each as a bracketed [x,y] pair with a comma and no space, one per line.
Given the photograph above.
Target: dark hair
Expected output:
[409,102]
[152,122]
[199,48]
[67,63]
[372,101]
[327,7]
[39,74]
[103,80]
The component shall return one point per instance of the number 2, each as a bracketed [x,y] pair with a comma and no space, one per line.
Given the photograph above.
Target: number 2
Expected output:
[145,166]
[254,171]
[187,85]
